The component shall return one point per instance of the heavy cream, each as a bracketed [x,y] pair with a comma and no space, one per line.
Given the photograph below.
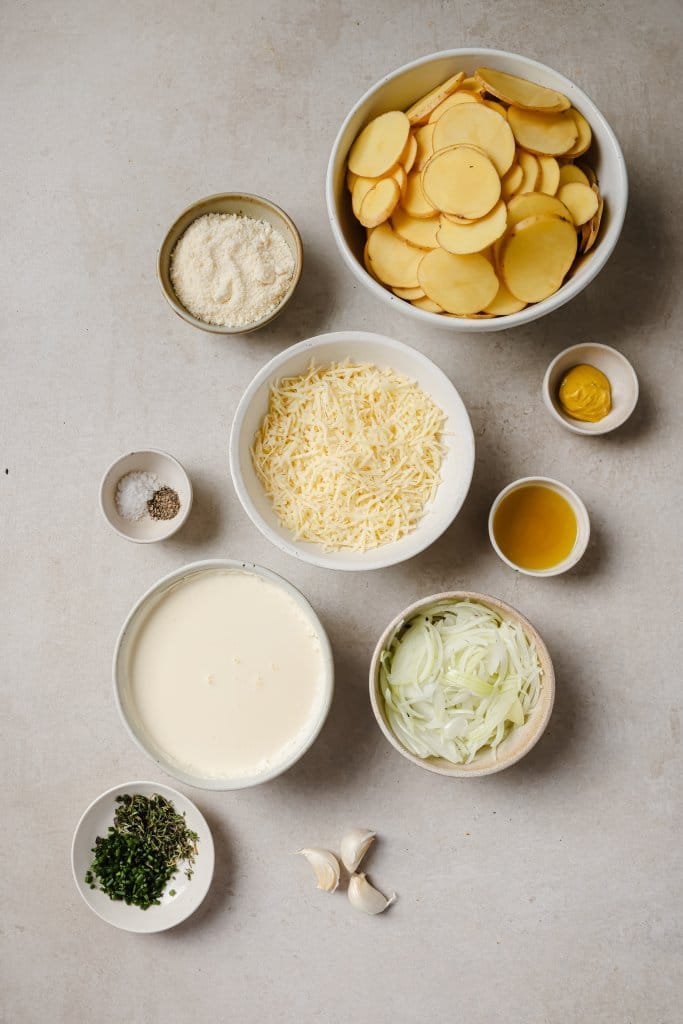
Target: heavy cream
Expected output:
[225,674]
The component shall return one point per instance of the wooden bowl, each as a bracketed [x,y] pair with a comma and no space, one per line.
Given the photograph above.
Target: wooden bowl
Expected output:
[520,739]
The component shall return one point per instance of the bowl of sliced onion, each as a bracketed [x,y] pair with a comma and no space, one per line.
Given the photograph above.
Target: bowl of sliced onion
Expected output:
[462,684]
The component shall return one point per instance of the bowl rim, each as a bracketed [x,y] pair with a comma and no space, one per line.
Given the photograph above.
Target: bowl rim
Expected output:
[185,314]
[209,564]
[576,426]
[533,311]
[322,560]
[207,851]
[582,525]
[465,771]
[181,519]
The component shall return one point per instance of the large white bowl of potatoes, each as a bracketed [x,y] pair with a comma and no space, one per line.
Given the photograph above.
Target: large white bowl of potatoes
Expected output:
[476,190]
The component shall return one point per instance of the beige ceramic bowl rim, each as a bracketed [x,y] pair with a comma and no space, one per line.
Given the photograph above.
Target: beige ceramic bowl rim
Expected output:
[461,771]
[576,426]
[181,519]
[268,204]
[231,564]
[582,524]
[533,311]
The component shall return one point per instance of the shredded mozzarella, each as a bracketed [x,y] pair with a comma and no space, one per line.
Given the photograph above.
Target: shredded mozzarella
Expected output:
[349,455]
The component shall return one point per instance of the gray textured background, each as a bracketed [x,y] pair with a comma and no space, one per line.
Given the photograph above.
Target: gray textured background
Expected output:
[550,893]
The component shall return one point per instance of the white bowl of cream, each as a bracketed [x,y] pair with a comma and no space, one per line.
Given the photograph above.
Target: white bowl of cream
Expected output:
[223,674]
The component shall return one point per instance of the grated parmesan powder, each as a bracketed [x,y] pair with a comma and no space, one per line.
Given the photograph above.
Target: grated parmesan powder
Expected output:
[231,270]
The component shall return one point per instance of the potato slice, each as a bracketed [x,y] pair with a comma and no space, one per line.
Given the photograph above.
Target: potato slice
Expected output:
[536,204]
[589,232]
[580,200]
[535,256]
[409,153]
[511,181]
[471,85]
[409,293]
[379,145]
[459,284]
[504,303]
[361,187]
[498,107]
[421,233]
[400,177]
[414,201]
[585,135]
[368,265]
[453,101]
[548,134]
[589,172]
[531,170]
[461,180]
[422,108]
[424,138]
[427,304]
[570,172]
[351,180]
[474,124]
[550,175]
[520,92]
[379,203]
[393,260]
[461,239]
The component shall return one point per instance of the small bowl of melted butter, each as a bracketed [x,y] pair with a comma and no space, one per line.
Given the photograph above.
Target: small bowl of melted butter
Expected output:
[590,388]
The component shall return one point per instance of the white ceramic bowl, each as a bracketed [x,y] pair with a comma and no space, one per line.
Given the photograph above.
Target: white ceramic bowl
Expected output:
[399,89]
[617,369]
[124,700]
[583,529]
[189,893]
[170,473]
[519,741]
[359,346]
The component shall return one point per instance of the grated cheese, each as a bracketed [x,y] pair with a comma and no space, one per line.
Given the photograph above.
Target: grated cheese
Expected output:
[349,455]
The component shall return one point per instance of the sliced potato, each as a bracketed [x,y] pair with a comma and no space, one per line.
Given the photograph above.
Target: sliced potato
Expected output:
[589,172]
[504,303]
[498,107]
[589,232]
[461,180]
[414,201]
[470,85]
[535,257]
[536,204]
[459,284]
[379,203]
[368,265]
[361,187]
[580,200]
[531,171]
[424,137]
[421,233]
[570,172]
[520,92]
[351,180]
[453,101]
[550,175]
[379,145]
[409,293]
[393,260]
[474,124]
[409,153]
[548,134]
[511,181]
[427,304]
[400,177]
[461,239]
[422,108]
[585,135]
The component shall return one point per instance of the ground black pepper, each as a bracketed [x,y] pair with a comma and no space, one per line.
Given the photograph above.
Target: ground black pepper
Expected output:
[164,504]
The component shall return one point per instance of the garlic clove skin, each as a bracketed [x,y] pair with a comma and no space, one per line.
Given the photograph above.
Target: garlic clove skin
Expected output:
[354,846]
[365,897]
[326,867]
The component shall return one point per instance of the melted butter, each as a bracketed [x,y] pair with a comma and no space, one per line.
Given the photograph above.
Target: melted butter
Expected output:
[535,527]
[585,393]
[226,674]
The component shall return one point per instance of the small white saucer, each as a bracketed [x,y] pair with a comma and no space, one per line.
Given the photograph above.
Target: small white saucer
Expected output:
[617,369]
[170,474]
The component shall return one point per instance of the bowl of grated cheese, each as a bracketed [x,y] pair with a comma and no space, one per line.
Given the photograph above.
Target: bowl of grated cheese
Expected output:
[351,451]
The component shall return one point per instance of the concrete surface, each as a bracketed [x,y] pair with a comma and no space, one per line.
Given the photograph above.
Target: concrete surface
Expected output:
[550,893]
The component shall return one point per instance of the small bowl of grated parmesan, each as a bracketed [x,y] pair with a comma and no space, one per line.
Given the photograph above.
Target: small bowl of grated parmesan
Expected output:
[230,263]
[146,496]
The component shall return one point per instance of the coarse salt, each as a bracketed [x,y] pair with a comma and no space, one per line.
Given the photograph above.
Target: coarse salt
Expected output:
[133,491]
[230,270]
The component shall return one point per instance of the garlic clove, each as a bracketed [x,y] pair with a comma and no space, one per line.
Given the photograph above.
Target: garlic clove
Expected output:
[354,846]
[365,897]
[326,867]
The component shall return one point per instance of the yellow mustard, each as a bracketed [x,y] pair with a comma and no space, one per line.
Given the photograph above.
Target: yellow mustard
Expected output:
[585,393]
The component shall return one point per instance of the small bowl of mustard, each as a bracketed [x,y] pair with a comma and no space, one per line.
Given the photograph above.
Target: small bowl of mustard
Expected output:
[590,388]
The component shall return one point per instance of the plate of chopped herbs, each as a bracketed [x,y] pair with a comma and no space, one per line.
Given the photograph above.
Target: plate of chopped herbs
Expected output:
[142,857]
